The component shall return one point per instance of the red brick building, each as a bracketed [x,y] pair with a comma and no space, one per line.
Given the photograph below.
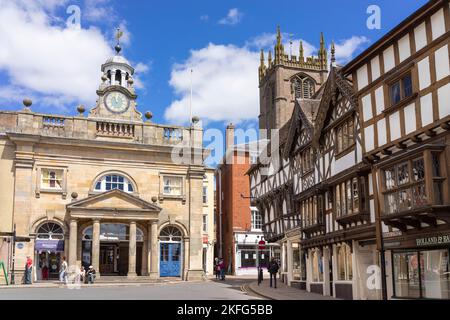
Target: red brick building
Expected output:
[238,224]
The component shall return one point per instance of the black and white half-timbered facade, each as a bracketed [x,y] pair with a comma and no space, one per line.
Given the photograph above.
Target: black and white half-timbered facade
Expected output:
[360,202]
[318,204]
[402,84]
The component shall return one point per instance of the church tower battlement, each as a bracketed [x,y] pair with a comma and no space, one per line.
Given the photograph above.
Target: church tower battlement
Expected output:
[286,77]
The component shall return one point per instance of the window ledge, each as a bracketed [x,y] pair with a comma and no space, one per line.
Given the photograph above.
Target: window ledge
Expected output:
[400,104]
[345,151]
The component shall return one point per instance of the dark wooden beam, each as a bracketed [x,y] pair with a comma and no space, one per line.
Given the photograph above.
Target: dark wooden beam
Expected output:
[411,222]
[430,133]
[432,221]
[401,145]
[386,152]
[416,139]
[396,224]
[445,126]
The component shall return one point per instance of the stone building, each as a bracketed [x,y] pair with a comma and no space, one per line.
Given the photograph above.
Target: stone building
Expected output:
[106,189]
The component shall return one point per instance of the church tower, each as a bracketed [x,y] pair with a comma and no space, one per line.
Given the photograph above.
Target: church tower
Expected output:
[288,77]
[116,94]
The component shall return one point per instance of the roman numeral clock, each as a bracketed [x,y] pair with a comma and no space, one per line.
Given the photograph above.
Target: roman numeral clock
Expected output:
[117,102]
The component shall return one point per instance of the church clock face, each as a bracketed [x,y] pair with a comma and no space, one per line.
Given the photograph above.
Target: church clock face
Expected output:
[117,102]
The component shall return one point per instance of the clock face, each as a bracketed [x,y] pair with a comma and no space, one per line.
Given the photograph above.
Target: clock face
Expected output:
[117,102]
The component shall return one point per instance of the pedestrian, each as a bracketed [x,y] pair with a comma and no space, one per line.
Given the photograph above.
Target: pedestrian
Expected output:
[82,274]
[273,270]
[90,274]
[63,271]
[260,275]
[45,272]
[216,268]
[28,269]
[222,269]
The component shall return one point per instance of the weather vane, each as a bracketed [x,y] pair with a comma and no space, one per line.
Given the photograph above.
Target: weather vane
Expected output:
[119,35]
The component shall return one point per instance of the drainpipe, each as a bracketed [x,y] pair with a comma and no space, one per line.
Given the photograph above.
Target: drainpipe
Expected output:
[220,215]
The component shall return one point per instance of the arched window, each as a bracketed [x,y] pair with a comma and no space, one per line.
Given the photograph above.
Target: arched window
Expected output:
[50,231]
[303,87]
[171,234]
[118,77]
[114,182]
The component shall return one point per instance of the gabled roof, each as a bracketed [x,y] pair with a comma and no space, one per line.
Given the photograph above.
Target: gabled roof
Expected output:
[335,81]
[305,112]
[126,201]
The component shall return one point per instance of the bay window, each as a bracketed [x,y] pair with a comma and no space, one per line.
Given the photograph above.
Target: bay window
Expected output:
[345,135]
[349,196]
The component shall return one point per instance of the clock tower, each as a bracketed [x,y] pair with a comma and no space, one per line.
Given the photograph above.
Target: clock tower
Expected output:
[116,94]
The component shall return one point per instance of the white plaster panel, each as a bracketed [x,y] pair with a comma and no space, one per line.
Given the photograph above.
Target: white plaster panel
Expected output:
[404,49]
[426,109]
[379,100]
[372,211]
[420,36]
[437,24]
[367,107]
[382,134]
[442,63]
[394,125]
[410,118]
[444,100]
[363,78]
[389,58]
[345,162]
[424,73]
[369,138]
[375,67]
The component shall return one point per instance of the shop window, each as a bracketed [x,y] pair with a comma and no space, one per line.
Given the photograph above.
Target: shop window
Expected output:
[401,89]
[345,267]
[345,135]
[317,267]
[299,263]
[423,274]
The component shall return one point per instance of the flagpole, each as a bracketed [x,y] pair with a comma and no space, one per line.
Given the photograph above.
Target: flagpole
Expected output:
[190,101]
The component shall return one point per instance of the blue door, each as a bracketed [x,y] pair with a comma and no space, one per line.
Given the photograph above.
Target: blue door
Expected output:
[170,254]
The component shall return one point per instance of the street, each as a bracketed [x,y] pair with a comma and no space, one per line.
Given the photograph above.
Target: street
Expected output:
[209,290]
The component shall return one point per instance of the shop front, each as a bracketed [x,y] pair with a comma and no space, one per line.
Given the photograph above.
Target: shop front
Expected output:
[49,251]
[420,266]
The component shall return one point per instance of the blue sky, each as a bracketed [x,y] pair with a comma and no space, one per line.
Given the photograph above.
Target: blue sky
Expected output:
[219,40]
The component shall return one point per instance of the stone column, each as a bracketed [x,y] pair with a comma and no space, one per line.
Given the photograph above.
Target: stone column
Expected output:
[96,247]
[73,235]
[144,265]
[326,271]
[113,77]
[154,273]
[132,251]
[124,80]
[290,262]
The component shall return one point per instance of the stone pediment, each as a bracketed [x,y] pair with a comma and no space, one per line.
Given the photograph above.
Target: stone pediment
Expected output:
[116,200]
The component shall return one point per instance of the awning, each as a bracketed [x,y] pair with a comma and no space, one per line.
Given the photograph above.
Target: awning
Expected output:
[49,245]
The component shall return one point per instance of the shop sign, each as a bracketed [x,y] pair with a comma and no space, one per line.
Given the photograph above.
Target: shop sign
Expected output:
[432,241]
[20,246]
[50,245]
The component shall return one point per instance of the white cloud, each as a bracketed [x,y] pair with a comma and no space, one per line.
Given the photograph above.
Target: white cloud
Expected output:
[204,17]
[58,67]
[345,49]
[98,11]
[267,41]
[233,17]
[48,59]
[225,85]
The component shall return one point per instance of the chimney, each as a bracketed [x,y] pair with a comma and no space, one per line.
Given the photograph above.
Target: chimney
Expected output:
[229,137]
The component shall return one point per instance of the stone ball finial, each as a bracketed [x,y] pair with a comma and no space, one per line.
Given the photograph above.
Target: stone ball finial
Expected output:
[27,102]
[130,81]
[74,195]
[104,77]
[154,199]
[195,119]
[81,109]
[148,115]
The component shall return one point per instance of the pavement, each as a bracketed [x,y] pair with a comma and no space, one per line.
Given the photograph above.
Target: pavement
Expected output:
[181,290]
[282,292]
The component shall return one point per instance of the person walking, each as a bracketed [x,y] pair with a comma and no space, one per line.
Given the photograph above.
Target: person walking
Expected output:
[63,271]
[28,269]
[216,268]
[222,269]
[273,270]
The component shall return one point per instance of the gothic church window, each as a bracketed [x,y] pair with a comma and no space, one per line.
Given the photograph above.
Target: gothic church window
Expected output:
[303,87]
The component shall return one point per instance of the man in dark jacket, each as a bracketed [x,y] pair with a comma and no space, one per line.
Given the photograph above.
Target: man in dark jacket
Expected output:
[273,270]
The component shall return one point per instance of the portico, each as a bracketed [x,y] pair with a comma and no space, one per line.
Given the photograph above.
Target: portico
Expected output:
[102,224]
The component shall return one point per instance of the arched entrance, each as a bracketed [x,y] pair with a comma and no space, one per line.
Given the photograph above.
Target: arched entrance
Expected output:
[114,248]
[170,239]
[49,248]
